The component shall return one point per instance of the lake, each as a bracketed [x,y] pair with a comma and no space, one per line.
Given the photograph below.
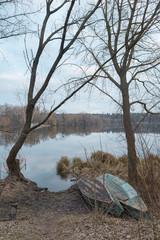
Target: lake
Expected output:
[44,148]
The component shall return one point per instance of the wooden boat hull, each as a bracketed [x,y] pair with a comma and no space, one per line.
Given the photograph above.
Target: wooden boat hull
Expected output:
[96,194]
[127,196]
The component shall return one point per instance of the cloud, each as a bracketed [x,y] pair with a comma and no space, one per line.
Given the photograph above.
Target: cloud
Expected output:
[10,81]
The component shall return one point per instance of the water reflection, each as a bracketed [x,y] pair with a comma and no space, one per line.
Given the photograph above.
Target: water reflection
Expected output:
[45,146]
[45,133]
[35,137]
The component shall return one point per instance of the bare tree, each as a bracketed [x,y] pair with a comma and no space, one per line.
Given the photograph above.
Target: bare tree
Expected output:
[128,32]
[62,35]
[14,16]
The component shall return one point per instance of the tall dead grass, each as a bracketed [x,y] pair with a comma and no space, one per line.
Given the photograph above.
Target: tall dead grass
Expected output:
[99,163]
[102,162]
[149,181]
[149,176]
[63,167]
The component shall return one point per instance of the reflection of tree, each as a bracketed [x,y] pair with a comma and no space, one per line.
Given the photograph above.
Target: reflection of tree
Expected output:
[82,123]
[8,138]
[33,138]
[44,134]
[39,135]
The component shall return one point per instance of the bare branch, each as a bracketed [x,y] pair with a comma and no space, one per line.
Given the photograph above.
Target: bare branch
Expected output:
[66,25]
[101,90]
[61,52]
[145,107]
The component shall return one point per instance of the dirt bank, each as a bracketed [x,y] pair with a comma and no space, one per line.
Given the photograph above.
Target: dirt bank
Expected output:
[64,215]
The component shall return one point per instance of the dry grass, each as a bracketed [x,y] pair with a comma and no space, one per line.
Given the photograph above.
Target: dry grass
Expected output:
[63,166]
[98,163]
[54,223]
[78,163]
[101,162]
[149,172]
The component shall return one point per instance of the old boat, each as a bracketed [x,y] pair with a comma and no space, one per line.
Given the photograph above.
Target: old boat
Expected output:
[97,195]
[126,194]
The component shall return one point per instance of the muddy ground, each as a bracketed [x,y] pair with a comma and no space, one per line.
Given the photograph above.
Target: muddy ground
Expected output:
[64,215]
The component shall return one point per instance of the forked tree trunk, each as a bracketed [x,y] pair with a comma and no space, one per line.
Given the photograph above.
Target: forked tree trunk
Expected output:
[132,156]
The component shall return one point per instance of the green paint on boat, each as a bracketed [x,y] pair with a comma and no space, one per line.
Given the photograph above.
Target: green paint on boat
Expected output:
[127,196]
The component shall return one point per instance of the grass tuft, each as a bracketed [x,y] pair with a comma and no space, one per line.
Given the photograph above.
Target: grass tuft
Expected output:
[63,167]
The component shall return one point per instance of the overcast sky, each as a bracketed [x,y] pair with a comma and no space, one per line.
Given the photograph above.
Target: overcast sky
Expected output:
[14,81]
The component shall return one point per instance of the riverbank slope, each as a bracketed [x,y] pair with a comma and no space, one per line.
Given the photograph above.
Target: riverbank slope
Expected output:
[64,215]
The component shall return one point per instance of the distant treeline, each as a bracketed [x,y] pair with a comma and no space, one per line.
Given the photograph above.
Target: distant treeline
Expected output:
[13,117]
[108,122]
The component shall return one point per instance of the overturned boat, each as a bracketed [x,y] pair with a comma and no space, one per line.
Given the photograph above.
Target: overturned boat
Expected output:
[126,194]
[96,194]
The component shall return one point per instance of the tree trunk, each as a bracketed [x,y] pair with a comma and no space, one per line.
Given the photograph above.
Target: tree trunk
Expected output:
[132,157]
[13,163]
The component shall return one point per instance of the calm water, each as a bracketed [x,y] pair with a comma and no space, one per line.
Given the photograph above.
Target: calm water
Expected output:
[43,151]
